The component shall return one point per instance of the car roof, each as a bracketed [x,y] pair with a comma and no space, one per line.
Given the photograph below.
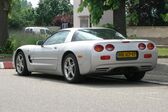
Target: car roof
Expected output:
[85,28]
[37,28]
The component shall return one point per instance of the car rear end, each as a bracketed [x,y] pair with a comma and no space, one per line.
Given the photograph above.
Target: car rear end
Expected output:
[120,56]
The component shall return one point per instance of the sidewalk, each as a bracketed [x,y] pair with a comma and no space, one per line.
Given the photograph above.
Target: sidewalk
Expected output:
[163,61]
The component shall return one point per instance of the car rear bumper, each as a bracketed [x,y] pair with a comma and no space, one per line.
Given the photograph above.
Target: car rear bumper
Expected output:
[118,68]
[113,65]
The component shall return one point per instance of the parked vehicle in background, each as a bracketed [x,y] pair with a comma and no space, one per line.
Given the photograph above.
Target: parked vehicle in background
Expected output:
[38,30]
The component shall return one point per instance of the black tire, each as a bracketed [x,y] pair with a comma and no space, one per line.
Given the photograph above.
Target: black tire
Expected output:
[134,76]
[70,69]
[21,65]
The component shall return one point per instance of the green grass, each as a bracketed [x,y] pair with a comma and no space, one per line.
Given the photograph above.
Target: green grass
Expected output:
[5,55]
[53,29]
[19,38]
[162,51]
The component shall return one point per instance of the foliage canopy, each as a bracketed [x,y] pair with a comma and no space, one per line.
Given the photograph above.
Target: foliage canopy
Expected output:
[48,9]
[21,14]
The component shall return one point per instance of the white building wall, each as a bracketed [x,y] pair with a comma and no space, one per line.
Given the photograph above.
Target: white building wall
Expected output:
[77,16]
[106,18]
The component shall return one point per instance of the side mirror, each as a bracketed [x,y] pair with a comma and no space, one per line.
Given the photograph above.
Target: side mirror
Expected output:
[40,42]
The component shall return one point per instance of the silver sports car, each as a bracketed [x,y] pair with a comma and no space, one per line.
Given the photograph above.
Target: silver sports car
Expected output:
[76,52]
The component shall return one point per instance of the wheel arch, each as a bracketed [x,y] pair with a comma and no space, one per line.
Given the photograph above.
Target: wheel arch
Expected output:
[24,53]
[65,54]
[83,60]
[19,50]
[16,52]
[25,71]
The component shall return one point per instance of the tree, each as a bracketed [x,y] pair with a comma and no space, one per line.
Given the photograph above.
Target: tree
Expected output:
[58,20]
[97,8]
[48,9]
[4,9]
[21,14]
[119,19]
[132,16]
[147,12]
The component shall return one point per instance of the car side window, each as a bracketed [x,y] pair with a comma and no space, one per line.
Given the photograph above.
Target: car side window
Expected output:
[83,36]
[27,30]
[57,38]
[42,31]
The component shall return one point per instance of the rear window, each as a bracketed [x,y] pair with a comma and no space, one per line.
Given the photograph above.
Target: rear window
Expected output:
[96,34]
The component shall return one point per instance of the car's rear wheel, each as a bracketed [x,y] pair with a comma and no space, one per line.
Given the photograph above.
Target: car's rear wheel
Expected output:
[134,76]
[20,64]
[71,69]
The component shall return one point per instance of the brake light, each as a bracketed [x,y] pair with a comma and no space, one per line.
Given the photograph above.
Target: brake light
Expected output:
[147,55]
[109,47]
[106,57]
[150,46]
[141,46]
[99,48]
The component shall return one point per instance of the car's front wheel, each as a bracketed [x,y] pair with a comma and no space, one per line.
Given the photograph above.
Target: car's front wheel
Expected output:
[20,64]
[134,76]
[71,69]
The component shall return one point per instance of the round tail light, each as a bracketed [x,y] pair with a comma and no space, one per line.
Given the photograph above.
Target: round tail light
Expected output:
[141,46]
[99,48]
[109,47]
[150,46]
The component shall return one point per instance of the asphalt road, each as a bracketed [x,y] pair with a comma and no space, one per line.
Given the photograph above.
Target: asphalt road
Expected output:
[47,93]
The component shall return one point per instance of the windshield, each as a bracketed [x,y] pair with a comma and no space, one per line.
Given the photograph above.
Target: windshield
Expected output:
[96,34]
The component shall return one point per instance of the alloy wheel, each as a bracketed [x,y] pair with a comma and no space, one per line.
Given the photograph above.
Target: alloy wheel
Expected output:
[69,68]
[20,63]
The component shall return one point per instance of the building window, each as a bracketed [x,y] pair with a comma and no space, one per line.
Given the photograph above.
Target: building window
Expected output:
[84,21]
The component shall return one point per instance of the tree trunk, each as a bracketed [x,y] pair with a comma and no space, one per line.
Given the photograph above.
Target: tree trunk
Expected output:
[4,7]
[119,20]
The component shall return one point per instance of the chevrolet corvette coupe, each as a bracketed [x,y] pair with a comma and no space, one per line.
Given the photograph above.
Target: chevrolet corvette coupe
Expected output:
[76,52]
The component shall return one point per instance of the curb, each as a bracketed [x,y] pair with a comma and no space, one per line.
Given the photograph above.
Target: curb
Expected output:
[162,56]
[6,65]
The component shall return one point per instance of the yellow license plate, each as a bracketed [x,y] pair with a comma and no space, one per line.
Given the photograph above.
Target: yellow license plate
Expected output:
[127,55]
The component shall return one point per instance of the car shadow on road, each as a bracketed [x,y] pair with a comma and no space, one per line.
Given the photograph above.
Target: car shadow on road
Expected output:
[44,77]
[93,81]
[115,81]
